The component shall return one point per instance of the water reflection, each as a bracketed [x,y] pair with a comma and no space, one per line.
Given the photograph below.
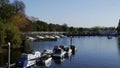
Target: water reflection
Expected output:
[118,42]
[59,61]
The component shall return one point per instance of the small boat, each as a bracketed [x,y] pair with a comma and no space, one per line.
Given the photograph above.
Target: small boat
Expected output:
[58,52]
[31,38]
[47,51]
[63,36]
[57,36]
[30,56]
[28,60]
[44,60]
[40,37]
[24,63]
[67,49]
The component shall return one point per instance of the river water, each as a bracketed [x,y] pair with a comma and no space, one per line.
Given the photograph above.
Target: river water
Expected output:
[92,52]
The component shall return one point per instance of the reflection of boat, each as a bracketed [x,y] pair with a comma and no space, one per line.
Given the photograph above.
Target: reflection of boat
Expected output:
[58,52]
[44,60]
[68,55]
[59,61]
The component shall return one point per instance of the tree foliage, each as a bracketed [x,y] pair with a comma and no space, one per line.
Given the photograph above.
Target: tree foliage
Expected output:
[6,11]
[12,35]
[118,27]
[2,33]
[3,2]
[19,6]
[21,22]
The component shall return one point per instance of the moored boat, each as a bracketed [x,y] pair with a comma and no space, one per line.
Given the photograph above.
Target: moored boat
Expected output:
[27,60]
[24,63]
[30,56]
[58,52]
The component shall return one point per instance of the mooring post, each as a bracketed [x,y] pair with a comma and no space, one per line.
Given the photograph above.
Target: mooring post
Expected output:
[8,54]
[71,40]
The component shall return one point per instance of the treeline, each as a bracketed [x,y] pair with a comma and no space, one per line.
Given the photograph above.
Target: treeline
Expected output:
[44,26]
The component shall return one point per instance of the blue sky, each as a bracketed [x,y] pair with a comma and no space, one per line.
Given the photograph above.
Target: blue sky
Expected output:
[77,13]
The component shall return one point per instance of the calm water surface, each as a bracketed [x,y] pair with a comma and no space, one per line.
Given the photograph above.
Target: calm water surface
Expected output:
[93,52]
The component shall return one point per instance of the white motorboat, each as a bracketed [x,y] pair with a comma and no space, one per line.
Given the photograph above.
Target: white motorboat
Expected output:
[24,63]
[33,55]
[27,60]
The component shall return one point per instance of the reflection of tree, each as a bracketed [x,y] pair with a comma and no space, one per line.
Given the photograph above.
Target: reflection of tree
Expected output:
[3,59]
[118,41]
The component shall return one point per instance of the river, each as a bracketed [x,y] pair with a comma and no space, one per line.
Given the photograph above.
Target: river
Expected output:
[92,52]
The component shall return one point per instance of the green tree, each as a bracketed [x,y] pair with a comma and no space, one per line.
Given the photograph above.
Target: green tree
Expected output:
[12,35]
[65,27]
[3,2]
[2,33]
[52,27]
[118,27]
[6,12]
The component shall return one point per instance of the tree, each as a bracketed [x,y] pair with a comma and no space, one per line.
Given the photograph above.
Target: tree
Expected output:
[19,6]
[2,33]
[118,27]
[3,2]
[21,22]
[65,27]
[51,27]
[6,12]
[12,35]
[96,30]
